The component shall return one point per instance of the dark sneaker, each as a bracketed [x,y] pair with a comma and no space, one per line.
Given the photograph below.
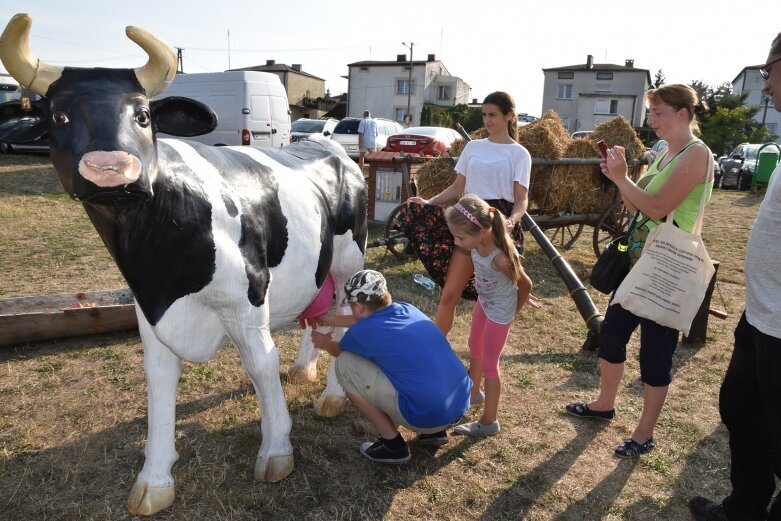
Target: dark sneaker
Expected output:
[581,410]
[631,449]
[436,439]
[379,453]
[704,509]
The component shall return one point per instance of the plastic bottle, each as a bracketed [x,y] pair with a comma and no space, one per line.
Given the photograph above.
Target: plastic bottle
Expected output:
[424,281]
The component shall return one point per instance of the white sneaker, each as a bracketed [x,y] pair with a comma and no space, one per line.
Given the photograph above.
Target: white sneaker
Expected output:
[477,429]
[477,399]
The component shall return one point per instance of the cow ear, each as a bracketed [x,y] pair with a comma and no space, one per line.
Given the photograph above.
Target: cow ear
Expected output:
[22,126]
[183,117]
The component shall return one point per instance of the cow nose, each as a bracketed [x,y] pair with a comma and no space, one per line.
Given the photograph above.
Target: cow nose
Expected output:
[108,169]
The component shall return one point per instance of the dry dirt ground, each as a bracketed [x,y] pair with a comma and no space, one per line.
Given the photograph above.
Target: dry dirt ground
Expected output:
[73,412]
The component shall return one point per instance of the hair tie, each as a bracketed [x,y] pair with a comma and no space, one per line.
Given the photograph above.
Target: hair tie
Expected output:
[469,216]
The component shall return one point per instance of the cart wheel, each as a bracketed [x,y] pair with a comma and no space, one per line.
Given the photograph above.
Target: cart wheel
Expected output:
[396,241]
[563,237]
[611,225]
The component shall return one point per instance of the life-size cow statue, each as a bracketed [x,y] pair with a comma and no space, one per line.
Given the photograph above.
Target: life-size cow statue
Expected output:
[215,243]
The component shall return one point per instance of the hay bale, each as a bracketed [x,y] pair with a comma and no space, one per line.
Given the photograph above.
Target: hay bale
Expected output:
[544,138]
[578,189]
[435,175]
[618,131]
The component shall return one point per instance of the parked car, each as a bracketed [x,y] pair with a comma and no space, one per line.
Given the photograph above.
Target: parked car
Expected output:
[581,133]
[738,168]
[305,128]
[346,133]
[427,141]
[662,145]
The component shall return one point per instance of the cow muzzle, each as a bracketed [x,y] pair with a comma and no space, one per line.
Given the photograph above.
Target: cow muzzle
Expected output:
[110,169]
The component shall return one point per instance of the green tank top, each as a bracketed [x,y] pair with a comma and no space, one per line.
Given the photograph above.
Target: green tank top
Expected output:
[685,213]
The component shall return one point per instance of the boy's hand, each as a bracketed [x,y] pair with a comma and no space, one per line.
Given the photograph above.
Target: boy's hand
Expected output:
[320,340]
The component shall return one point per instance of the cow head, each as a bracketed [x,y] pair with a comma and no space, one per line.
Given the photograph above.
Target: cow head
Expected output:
[101,122]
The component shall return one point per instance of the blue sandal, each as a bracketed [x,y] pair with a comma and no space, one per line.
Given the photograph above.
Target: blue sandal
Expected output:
[581,410]
[631,449]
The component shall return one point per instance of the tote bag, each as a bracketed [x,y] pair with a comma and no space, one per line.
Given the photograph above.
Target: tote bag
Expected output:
[668,282]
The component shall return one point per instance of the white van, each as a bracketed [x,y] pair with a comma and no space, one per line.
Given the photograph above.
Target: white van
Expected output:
[251,106]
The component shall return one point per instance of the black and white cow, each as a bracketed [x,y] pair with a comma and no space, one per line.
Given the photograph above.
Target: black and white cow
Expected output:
[215,243]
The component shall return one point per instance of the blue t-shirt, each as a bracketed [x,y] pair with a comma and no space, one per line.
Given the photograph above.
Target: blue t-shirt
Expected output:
[412,352]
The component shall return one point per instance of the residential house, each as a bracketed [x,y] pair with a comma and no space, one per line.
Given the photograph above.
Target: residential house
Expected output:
[399,89]
[306,92]
[585,95]
[750,81]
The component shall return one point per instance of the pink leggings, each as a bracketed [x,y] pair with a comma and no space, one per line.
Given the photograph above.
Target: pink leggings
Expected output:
[486,341]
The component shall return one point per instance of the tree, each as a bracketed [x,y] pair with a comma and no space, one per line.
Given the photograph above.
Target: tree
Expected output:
[728,121]
[425,116]
[659,79]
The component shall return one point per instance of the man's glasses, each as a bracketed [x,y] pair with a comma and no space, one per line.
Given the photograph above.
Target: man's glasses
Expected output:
[764,71]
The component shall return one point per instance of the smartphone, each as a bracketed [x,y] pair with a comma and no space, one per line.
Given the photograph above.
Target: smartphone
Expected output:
[602,146]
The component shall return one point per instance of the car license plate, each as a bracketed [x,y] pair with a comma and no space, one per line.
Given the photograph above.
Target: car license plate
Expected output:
[351,147]
[407,143]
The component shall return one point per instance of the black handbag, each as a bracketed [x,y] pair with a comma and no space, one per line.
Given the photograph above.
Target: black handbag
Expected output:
[612,266]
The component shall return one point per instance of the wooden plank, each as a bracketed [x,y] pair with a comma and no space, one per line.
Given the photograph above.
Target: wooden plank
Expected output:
[46,317]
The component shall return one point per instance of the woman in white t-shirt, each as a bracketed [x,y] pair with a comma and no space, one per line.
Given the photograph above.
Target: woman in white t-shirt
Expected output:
[496,169]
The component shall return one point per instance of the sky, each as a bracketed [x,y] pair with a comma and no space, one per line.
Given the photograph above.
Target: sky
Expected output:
[492,45]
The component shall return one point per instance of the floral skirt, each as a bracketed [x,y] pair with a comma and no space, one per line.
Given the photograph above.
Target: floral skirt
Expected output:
[425,227]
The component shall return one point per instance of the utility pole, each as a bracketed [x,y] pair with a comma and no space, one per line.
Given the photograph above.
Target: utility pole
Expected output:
[766,100]
[408,117]
[179,62]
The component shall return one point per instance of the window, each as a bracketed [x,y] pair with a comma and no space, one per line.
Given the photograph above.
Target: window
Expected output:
[603,87]
[771,128]
[565,121]
[565,91]
[443,92]
[604,75]
[400,113]
[405,87]
[364,69]
[566,75]
[606,106]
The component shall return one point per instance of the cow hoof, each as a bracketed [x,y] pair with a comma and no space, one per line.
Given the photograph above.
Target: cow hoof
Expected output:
[145,500]
[330,406]
[273,469]
[302,375]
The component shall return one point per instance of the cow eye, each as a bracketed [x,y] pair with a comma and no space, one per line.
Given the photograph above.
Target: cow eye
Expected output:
[60,118]
[142,118]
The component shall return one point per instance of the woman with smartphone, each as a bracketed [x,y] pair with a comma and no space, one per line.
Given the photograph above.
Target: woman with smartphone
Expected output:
[676,180]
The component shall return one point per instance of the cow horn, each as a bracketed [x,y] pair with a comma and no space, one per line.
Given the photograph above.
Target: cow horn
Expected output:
[161,67]
[20,62]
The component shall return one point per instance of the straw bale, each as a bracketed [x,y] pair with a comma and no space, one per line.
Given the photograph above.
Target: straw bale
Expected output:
[578,189]
[544,138]
[435,175]
[618,131]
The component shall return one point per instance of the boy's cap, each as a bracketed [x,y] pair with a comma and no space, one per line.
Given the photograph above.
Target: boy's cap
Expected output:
[364,286]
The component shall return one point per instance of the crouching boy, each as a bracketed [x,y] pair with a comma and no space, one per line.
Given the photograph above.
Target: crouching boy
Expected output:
[396,367]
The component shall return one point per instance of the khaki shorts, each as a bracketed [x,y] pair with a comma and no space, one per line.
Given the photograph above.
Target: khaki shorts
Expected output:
[358,375]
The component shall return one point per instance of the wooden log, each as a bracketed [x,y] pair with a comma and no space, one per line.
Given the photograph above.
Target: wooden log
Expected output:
[46,317]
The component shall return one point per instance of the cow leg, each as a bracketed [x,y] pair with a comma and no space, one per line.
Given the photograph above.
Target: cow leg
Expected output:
[333,401]
[154,487]
[305,368]
[260,359]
